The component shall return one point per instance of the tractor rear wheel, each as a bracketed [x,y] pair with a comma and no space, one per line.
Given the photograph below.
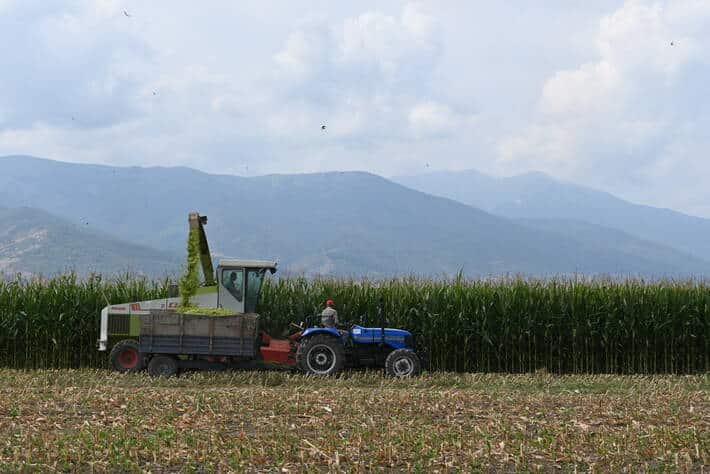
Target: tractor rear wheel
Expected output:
[402,363]
[163,366]
[321,355]
[125,356]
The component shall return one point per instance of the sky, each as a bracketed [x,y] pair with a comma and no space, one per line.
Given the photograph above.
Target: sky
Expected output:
[609,94]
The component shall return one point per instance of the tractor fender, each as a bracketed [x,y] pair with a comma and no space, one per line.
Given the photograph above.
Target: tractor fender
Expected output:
[313,331]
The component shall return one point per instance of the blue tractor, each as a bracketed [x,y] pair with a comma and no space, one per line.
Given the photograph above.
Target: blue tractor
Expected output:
[327,350]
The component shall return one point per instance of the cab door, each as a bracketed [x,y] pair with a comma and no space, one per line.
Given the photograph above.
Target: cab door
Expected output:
[231,289]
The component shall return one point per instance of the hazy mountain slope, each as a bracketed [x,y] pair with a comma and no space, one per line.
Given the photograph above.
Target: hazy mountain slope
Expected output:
[538,196]
[598,238]
[345,223]
[36,242]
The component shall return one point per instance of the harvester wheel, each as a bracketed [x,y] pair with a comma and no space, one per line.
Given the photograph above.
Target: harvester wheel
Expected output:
[163,366]
[402,363]
[321,355]
[125,357]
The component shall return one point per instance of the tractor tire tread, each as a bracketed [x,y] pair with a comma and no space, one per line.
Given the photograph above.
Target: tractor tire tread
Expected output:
[398,353]
[304,346]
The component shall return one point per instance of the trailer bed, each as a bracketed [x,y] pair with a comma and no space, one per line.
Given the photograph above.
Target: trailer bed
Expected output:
[168,332]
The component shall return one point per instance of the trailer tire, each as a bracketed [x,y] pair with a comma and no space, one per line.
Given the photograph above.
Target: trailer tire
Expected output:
[125,356]
[163,366]
[402,363]
[321,355]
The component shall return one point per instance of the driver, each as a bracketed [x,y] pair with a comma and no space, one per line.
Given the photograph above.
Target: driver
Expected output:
[329,316]
[231,286]
[329,319]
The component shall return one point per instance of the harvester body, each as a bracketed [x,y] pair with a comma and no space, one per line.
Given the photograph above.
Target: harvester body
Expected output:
[238,291]
[154,334]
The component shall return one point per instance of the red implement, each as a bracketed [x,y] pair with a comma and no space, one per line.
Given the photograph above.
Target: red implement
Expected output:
[282,351]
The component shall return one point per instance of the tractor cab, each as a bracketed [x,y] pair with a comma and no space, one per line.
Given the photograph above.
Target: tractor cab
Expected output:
[239,283]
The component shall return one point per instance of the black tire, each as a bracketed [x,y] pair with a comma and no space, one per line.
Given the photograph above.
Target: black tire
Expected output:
[402,363]
[320,355]
[125,356]
[163,366]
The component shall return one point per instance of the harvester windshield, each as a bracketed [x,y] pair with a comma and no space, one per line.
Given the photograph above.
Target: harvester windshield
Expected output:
[255,277]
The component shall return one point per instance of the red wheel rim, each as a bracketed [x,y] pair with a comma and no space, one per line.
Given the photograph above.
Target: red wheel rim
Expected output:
[128,358]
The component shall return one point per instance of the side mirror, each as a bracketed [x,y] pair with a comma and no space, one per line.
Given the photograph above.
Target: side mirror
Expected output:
[173,291]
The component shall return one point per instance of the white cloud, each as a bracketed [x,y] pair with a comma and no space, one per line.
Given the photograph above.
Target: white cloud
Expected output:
[582,90]
[435,119]
[611,121]
[237,87]
[304,51]
[368,78]
[398,49]
[69,65]
[372,50]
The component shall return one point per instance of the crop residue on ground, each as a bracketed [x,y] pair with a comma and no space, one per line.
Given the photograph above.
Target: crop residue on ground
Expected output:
[79,420]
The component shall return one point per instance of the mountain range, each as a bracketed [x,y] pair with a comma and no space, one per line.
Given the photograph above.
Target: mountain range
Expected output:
[343,223]
[538,196]
[33,241]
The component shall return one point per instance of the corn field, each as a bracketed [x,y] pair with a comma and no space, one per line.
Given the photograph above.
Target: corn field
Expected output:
[515,325]
[55,323]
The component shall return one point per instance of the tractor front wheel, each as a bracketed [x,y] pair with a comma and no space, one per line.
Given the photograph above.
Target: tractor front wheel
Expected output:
[321,355]
[163,366]
[125,357]
[402,363]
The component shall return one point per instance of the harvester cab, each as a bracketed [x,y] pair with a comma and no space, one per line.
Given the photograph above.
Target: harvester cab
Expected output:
[240,283]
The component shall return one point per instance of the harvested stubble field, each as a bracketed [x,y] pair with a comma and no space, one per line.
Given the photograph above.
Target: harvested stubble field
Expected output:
[271,421]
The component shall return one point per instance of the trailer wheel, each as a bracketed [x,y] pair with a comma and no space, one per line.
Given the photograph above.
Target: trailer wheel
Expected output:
[163,366]
[402,363]
[125,357]
[321,355]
